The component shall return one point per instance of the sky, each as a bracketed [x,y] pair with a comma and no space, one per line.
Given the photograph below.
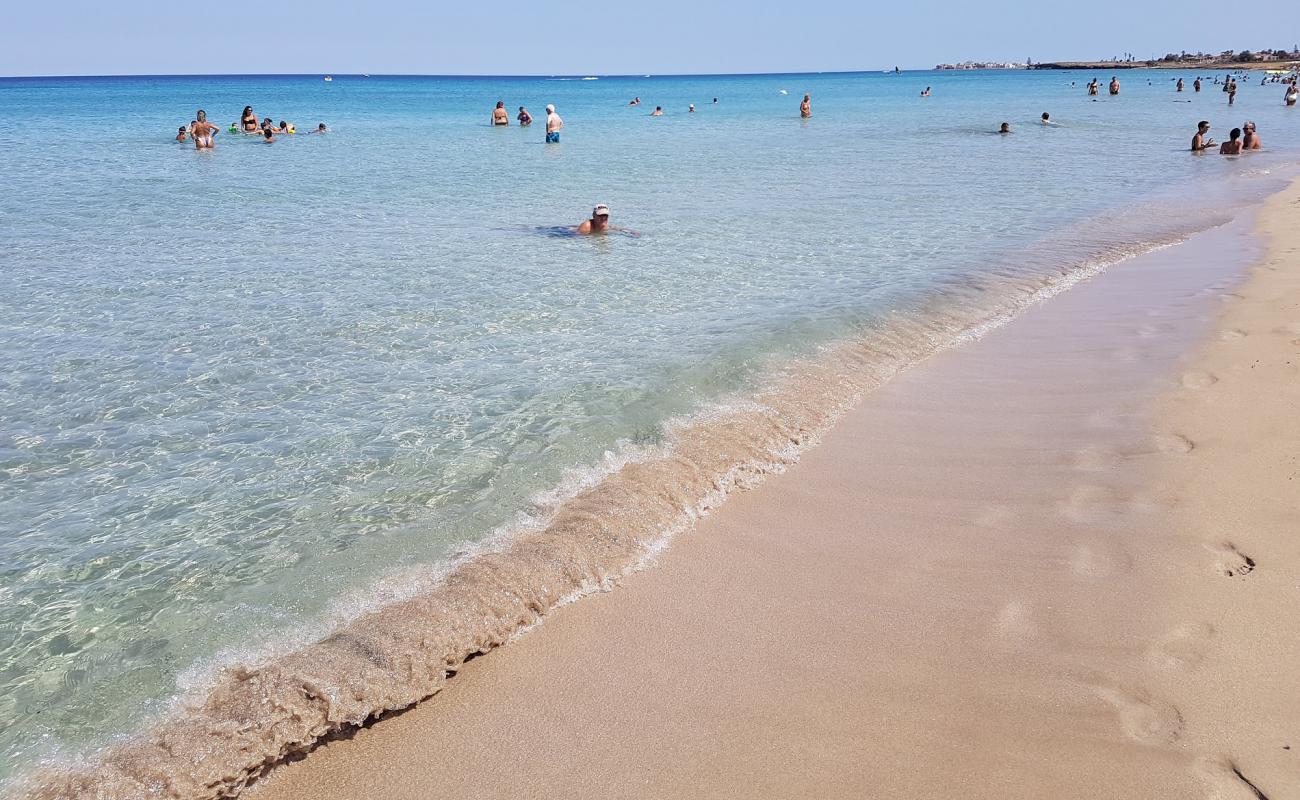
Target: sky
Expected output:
[510,37]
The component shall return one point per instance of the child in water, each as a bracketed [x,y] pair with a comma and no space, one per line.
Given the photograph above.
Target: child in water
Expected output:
[270,136]
[181,134]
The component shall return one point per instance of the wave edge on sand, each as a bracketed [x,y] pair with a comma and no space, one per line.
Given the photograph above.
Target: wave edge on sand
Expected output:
[590,534]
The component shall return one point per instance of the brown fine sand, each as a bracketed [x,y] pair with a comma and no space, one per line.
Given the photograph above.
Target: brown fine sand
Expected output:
[1059,562]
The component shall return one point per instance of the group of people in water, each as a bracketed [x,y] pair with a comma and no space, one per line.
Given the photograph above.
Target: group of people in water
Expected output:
[554,123]
[1240,140]
[202,132]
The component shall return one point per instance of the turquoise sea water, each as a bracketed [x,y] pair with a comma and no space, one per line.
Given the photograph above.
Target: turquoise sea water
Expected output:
[247,394]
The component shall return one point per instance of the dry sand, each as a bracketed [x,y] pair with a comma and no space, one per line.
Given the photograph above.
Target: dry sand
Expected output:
[1062,561]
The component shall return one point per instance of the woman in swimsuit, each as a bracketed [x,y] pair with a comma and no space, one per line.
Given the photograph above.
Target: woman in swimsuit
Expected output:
[202,131]
[249,120]
[499,114]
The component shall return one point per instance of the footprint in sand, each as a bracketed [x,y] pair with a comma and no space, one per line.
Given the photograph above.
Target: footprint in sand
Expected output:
[1014,620]
[1097,560]
[1230,561]
[1183,647]
[1232,333]
[1144,718]
[1226,781]
[1087,502]
[1198,379]
[994,516]
[1096,459]
[1174,444]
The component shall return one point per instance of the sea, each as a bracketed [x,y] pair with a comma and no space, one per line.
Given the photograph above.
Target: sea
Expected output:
[255,397]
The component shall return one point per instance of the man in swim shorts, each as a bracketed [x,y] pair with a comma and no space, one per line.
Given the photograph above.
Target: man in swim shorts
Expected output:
[553,125]
[203,131]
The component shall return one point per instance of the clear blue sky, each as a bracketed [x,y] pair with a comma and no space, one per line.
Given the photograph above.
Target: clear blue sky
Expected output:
[81,37]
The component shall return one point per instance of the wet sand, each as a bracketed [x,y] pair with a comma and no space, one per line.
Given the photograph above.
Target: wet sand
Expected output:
[1061,561]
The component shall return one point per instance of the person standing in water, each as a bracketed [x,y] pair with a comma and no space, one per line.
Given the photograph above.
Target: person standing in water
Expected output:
[248,120]
[1292,94]
[1249,137]
[1180,84]
[658,112]
[202,131]
[1231,147]
[1196,84]
[499,114]
[1092,88]
[553,125]
[1232,91]
[525,119]
[1199,142]
[805,108]
[1114,86]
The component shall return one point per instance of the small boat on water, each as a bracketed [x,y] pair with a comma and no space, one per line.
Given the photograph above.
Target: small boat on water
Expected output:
[329,79]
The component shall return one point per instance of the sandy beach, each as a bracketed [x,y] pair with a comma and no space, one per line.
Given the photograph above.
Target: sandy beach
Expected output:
[1059,561]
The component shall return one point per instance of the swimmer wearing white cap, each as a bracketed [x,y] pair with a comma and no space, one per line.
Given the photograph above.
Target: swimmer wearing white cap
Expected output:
[599,222]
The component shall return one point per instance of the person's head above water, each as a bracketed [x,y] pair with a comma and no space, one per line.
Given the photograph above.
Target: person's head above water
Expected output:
[550,109]
[501,104]
[1006,128]
[1203,125]
[1234,134]
[268,134]
[321,127]
[1046,117]
[202,116]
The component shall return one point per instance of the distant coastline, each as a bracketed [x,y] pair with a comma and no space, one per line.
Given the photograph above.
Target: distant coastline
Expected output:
[1216,65]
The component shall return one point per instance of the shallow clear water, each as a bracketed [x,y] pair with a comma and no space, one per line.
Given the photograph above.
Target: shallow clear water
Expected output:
[244,392]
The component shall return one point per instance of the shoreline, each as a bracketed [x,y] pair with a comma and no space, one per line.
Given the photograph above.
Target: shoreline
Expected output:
[736,662]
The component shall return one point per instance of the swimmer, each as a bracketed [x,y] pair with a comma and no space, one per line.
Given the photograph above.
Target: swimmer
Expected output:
[284,127]
[1231,147]
[1291,96]
[599,222]
[925,92]
[202,131]
[234,127]
[1114,86]
[182,134]
[1006,128]
[1199,142]
[1047,119]
[320,128]
[1250,137]
[248,121]
[268,136]
[691,110]
[1179,87]
[1196,84]
[525,119]
[715,101]
[658,112]
[805,108]
[636,101]
[499,114]
[553,125]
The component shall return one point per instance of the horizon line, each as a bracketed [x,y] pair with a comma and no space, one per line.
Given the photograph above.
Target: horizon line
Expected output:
[639,75]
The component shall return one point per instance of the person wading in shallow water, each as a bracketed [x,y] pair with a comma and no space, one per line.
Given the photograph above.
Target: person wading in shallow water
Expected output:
[1199,142]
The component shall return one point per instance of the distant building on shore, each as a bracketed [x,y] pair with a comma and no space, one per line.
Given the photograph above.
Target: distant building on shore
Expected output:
[983,65]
